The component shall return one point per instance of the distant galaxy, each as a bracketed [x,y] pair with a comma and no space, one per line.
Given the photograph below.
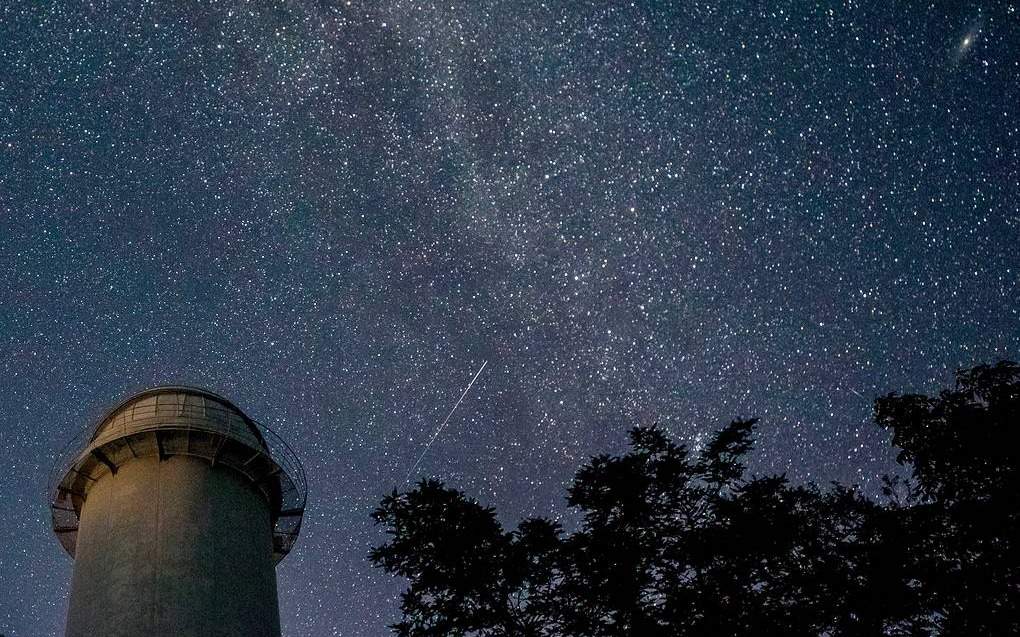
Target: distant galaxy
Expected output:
[334,213]
[968,40]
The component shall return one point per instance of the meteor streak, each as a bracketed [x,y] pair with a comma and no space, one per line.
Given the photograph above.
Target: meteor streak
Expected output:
[442,426]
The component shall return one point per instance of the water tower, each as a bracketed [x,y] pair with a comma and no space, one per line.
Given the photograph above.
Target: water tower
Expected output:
[176,508]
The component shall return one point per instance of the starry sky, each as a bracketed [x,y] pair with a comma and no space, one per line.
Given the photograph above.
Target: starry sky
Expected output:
[334,213]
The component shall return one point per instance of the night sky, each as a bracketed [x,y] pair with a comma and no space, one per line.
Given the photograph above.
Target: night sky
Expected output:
[334,213]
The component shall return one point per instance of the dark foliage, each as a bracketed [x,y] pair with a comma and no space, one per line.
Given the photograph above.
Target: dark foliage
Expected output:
[960,516]
[679,543]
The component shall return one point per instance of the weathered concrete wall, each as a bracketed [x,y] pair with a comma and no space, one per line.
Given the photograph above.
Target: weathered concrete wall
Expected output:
[174,547]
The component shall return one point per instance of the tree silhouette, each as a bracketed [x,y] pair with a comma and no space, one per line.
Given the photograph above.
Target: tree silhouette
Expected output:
[961,517]
[679,543]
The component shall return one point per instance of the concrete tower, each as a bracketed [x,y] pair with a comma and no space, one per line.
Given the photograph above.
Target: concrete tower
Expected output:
[176,508]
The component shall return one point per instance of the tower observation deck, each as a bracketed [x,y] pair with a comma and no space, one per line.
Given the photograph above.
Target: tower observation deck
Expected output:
[176,507]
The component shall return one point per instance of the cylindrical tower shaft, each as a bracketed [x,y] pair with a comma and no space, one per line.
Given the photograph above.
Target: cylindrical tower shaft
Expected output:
[176,507]
[175,547]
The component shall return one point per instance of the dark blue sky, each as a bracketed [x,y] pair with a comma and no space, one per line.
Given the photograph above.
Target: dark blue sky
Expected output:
[334,212]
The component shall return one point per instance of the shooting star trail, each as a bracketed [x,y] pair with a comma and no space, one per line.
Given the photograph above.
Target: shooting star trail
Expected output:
[442,426]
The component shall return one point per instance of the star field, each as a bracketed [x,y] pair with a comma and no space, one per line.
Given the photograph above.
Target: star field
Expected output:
[334,212]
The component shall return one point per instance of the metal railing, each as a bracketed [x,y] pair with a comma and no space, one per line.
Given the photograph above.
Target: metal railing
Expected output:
[182,411]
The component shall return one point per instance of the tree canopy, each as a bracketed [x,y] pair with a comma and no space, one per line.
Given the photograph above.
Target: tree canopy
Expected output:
[680,542]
